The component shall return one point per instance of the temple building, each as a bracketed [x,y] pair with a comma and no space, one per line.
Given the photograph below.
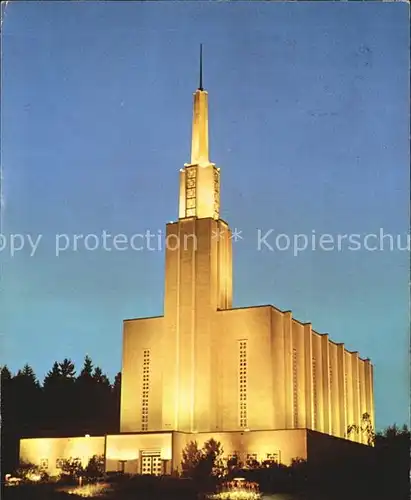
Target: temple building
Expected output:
[254,378]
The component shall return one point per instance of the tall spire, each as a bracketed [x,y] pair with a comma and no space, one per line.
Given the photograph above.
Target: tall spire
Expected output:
[199,141]
[201,67]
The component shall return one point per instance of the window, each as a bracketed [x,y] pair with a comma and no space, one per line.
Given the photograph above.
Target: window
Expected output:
[44,463]
[315,402]
[191,203]
[145,390]
[295,389]
[191,173]
[252,460]
[232,459]
[242,382]
[274,457]
[345,385]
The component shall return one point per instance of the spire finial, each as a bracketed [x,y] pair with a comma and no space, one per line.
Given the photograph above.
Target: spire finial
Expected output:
[201,67]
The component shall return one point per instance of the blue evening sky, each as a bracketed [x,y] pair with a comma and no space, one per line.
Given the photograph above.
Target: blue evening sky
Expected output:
[309,115]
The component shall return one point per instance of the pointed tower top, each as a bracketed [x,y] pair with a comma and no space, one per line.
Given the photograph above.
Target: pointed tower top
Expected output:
[200,87]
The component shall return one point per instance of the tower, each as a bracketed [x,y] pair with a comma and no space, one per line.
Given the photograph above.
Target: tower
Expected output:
[198,282]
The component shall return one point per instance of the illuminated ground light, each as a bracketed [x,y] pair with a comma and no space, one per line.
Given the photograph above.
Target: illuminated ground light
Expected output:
[238,489]
[89,490]
[235,495]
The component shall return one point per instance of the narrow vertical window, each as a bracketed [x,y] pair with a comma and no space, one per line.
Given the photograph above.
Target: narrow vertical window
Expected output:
[295,389]
[315,402]
[345,386]
[146,389]
[242,382]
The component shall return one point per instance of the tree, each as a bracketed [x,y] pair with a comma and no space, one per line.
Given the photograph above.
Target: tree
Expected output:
[95,468]
[28,374]
[25,403]
[5,373]
[86,411]
[9,424]
[191,458]
[365,427]
[67,369]
[102,401]
[100,378]
[204,463]
[87,370]
[393,432]
[211,463]
[72,469]
[64,405]
[53,376]
[20,412]
[60,399]
[115,401]
[393,461]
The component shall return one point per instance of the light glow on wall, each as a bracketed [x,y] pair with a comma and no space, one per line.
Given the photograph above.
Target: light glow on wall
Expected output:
[119,455]
[166,453]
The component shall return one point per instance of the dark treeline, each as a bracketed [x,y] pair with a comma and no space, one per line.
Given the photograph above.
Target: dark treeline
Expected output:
[66,403]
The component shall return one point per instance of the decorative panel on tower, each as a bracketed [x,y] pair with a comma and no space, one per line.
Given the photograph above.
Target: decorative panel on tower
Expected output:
[216,194]
[191,186]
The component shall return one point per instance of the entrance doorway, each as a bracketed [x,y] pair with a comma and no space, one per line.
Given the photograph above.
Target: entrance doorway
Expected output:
[151,463]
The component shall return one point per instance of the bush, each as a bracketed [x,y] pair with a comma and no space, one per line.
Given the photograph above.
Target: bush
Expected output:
[29,472]
[95,468]
[71,470]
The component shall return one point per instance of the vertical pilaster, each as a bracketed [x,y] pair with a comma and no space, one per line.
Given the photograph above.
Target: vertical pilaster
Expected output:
[186,318]
[171,333]
[371,385]
[356,395]
[334,392]
[278,368]
[325,358]
[349,393]
[362,390]
[318,404]
[298,368]
[308,355]
[205,304]
[342,399]
[288,389]
[224,266]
